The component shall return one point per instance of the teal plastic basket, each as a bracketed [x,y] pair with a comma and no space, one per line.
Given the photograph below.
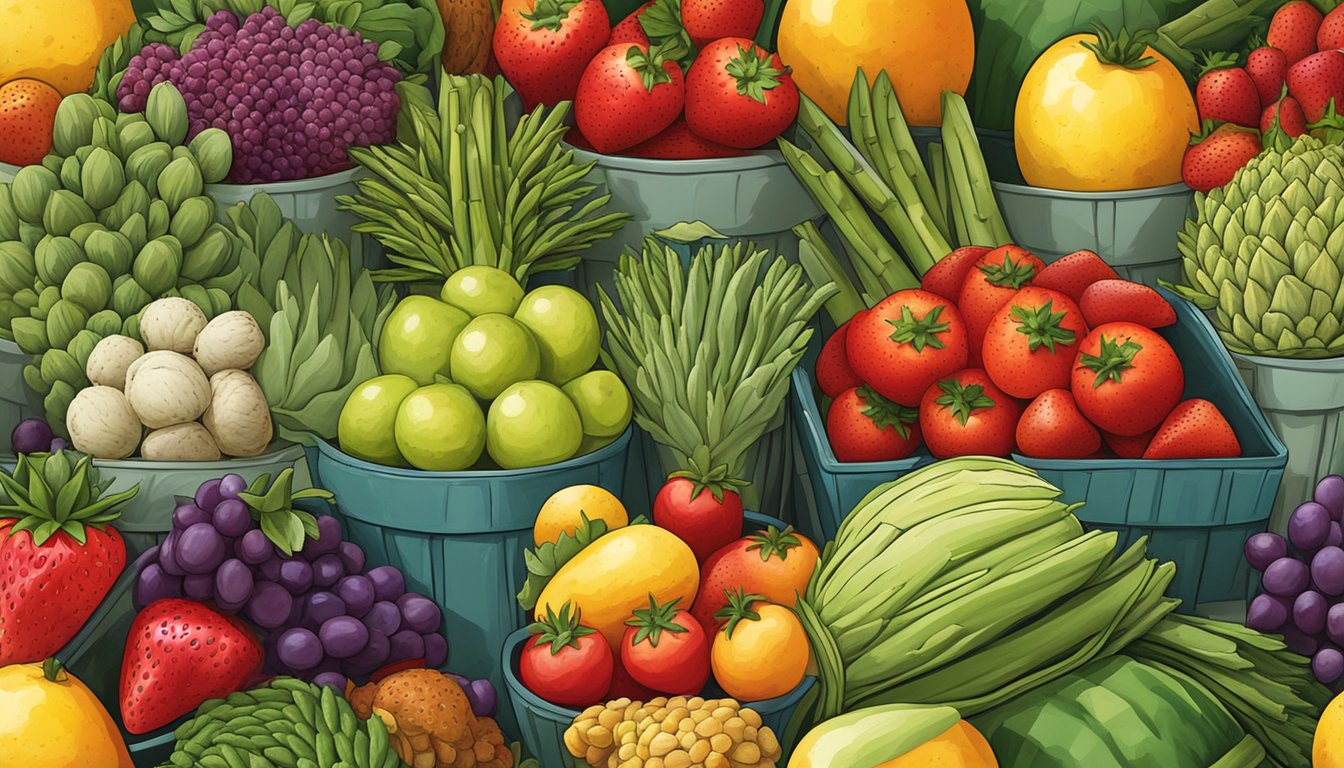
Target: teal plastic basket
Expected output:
[459,538]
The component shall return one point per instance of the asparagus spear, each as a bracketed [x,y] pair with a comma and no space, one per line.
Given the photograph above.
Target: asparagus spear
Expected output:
[938,175]
[822,267]
[976,204]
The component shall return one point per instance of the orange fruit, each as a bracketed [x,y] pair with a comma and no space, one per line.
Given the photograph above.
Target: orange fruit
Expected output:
[27,112]
[961,746]
[566,508]
[59,41]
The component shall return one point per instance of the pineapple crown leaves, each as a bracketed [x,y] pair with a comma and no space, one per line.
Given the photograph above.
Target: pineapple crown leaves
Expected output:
[1123,48]
[52,492]
[706,476]
[560,629]
[1009,274]
[773,542]
[1212,61]
[1042,326]
[546,560]
[272,505]
[650,623]
[663,26]
[755,72]
[648,65]
[1112,360]
[922,332]
[963,399]
[884,413]
[738,609]
[549,14]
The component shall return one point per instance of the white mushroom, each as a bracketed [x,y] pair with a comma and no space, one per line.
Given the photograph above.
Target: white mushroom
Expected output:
[109,360]
[239,416]
[171,324]
[166,388]
[232,340]
[102,423]
[180,442]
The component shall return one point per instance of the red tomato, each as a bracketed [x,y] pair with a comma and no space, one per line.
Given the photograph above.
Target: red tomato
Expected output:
[1032,341]
[623,686]
[947,275]
[565,662]
[989,285]
[1127,378]
[833,372]
[705,517]
[666,649]
[905,343]
[865,426]
[965,414]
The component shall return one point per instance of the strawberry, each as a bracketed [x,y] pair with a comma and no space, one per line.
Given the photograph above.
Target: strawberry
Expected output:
[1052,427]
[179,653]
[710,20]
[1226,92]
[1070,275]
[1216,155]
[1316,81]
[1289,112]
[992,282]
[1293,30]
[833,372]
[945,278]
[1268,67]
[738,94]
[862,425]
[1195,429]
[627,95]
[1115,301]
[543,46]
[1330,37]
[678,142]
[1126,447]
[575,138]
[629,29]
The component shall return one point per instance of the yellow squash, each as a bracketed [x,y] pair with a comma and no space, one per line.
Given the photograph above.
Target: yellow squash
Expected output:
[616,574]
[59,41]
[895,736]
[49,719]
[1103,113]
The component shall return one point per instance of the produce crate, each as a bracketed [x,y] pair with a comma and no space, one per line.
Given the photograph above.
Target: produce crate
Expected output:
[17,401]
[542,725]
[459,538]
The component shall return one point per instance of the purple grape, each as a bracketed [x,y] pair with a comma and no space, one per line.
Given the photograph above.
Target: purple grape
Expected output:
[436,650]
[232,517]
[1327,570]
[59,444]
[270,570]
[233,583]
[299,649]
[327,570]
[152,583]
[187,515]
[1266,613]
[32,436]
[231,485]
[207,496]
[270,605]
[343,636]
[1309,612]
[461,681]
[1309,526]
[384,617]
[328,538]
[407,645]
[200,549]
[388,583]
[1327,665]
[1336,537]
[1286,577]
[320,606]
[332,680]
[483,697]
[1334,623]
[1303,645]
[1330,494]
[270,660]
[199,586]
[1264,548]
[375,652]
[357,592]
[296,575]
[352,557]
[168,555]
[419,613]
[254,548]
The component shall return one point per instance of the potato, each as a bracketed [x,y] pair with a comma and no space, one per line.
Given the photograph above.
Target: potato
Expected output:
[171,324]
[167,388]
[110,359]
[180,442]
[239,417]
[102,423]
[232,340]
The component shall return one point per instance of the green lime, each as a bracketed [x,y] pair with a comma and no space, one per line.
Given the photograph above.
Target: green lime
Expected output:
[530,424]
[603,402]
[440,428]
[418,336]
[591,444]
[365,427]
[482,290]
[491,353]
[566,329]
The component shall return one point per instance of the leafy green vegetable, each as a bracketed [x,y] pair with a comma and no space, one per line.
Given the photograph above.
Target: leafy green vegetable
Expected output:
[547,560]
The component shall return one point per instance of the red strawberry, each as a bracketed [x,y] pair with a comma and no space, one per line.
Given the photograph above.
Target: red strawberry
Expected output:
[946,276]
[995,279]
[710,20]
[1227,93]
[575,138]
[1195,429]
[833,372]
[626,97]
[862,425]
[1052,427]
[629,30]
[1072,274]
[1116,301]
[678,142]
[1126,447]
[1268,67]
[543,46]
[1293,30]
[1330,37]
[179,653]
[739,94]
[1316,81]
[1289,112]
[1215,157]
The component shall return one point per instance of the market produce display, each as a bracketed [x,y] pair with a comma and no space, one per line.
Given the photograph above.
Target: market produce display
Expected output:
[50,714]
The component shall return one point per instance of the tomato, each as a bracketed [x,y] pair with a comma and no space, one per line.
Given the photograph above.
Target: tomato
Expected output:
[946,277]
[623,686]
[565,662]
[773,563]
[762,650]
[905,343]
[833,372]
[965,414]
[862,425]
[1127,378]
[994,279]
[666,649]
[1032,341]
[705,516]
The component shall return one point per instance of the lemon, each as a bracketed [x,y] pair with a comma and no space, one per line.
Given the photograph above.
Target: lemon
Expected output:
[566,508]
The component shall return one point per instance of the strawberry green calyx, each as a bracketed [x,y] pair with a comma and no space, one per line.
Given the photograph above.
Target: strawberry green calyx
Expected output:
[922,332]
[754,73]
[272,506]
[1330,128]
[1114,359]
[1042,326]
[717,479]
[884,413]
[650,623]
[560,630]
[963,399]
[649,65]
[1010,274]
[738,609]
[1122,49]
[62,491]
[663,26]
[1211,62]
[550,14]
[773,542]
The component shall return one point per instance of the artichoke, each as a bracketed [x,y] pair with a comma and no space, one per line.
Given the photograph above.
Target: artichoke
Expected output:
[1266,252]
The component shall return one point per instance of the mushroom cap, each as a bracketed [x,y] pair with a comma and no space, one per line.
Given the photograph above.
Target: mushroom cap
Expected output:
[238,415]
[167,388]
[171,324]
[110,358]
[180,442]
[102,423]
[231,340]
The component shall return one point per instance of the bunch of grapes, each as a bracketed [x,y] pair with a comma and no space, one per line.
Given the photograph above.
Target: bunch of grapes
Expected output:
[36,436]
[324,617]
[293,99]
[1303,581]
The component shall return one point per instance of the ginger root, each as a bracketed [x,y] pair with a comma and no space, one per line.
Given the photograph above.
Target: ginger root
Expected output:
[430,721]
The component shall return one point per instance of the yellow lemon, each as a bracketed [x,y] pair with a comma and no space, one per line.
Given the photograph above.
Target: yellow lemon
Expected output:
[49,719]
[561,513]
[59,41]
[1327,749]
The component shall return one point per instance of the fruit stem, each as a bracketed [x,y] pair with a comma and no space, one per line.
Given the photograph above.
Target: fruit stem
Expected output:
[963,399]
[651,622]
[1113,360]
[704,476]
[1122,49]
[774,542]
[561,629]
[884,413]
[1042,326]
[754,73]
[549,14]
[1009,274]
[738,609]
[922,332]
[649,65]
[53,670]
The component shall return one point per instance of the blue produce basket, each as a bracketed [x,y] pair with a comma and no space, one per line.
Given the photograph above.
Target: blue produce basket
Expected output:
[542,725]
[459,538]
